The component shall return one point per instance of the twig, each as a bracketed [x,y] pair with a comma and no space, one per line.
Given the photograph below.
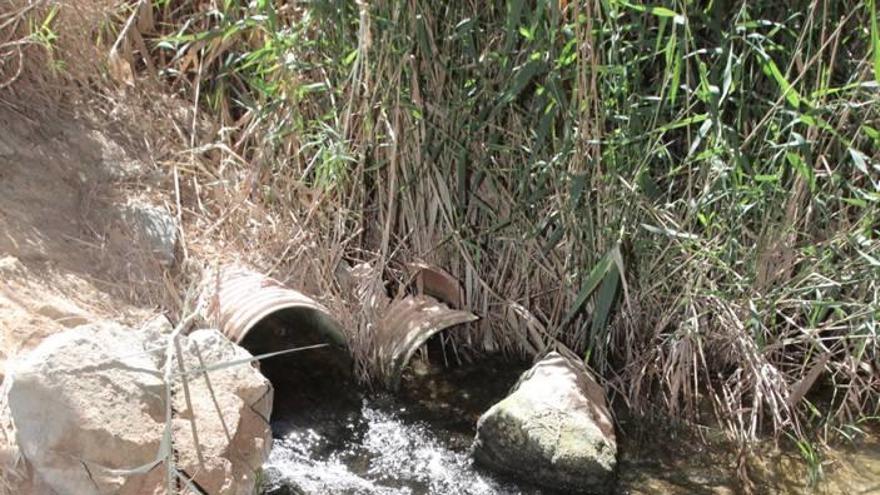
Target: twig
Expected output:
[128,24]
[15,76]
[186,394]
[167,445]
[198,354]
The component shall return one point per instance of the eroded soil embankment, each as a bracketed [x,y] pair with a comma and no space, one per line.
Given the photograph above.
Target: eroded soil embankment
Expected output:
[65,254]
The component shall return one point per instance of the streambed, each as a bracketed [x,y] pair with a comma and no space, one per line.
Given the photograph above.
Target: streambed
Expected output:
[332,437]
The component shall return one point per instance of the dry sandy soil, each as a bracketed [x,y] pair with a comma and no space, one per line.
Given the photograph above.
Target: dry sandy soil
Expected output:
[66,257]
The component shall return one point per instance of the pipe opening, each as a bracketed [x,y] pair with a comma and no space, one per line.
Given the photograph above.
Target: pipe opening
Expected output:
[300,378]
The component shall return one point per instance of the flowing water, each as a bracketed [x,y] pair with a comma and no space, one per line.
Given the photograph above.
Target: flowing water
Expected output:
[333,438]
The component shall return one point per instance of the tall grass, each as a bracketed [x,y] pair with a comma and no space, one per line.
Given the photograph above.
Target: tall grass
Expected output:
[684,193]
[723,156]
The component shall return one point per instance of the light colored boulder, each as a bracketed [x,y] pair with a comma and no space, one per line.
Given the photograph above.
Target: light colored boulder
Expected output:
[88,406]
[87,400]
[155,227]
[243,396]
[554,429]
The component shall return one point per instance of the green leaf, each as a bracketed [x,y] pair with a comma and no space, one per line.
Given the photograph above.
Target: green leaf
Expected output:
[767,178]
[871,132]
[522,78]
[597,274]
[727,77]
[669,232]
[704,91]
[654,10]
[860,160]
[312,88]
[682,123]
[605,299]
[514,14]
[578,183]
[825,91]
[805,171]
[349,59]
[771,69]
[861,203]
[674,62]
[648,186]
[870,259]
[664,12]
[821,124]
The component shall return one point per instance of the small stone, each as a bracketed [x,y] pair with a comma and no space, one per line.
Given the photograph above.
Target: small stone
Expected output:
[115,162]
[10,265]
[157,328]
[155,227]
[63,312]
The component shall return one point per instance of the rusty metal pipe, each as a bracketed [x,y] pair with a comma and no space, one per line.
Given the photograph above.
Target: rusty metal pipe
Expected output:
[236,299]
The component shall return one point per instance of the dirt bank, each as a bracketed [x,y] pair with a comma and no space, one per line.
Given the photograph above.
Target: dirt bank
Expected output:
[65,256]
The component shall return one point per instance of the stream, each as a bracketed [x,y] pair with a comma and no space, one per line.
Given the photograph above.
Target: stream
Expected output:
[332,437]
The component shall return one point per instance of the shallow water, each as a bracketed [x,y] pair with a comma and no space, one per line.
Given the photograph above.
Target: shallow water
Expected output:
[384,453]
[678,463]
[412,443]
[333,438]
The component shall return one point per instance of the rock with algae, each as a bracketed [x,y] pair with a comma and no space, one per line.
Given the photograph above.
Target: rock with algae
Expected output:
[554,430]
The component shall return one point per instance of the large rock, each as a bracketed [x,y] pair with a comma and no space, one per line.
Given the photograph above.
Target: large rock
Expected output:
[554,429]
[88,405]
[245,398]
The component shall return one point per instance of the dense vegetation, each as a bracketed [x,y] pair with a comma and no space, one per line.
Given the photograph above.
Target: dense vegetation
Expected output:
[685,193]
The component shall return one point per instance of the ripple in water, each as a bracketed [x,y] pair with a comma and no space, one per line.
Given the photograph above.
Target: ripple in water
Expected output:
[332,437]
[384,454]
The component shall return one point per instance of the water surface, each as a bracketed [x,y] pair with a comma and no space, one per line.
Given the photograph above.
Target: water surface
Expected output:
[331,437]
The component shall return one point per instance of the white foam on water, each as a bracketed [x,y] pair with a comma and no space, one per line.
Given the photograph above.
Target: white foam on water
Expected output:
[385,456]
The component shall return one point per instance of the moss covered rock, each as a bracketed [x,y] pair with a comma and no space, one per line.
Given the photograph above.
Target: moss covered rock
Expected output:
[554,429]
